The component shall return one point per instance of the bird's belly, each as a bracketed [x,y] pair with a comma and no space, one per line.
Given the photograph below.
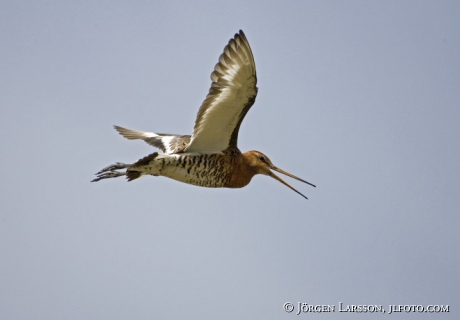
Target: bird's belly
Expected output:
[206,170]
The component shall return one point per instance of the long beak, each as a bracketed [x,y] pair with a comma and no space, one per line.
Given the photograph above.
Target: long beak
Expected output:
[274,176]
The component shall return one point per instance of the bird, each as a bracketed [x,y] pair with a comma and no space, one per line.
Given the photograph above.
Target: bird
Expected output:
[210,156]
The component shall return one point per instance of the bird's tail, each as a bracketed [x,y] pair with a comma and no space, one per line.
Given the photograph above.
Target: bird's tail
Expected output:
[131,173]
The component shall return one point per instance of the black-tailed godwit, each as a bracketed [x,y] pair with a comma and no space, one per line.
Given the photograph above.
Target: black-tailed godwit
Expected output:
[210,156]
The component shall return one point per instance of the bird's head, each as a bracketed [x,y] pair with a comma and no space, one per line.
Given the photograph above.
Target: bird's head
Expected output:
[262,165]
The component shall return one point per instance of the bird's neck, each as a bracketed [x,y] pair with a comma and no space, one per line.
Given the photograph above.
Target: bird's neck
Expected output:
[242,172]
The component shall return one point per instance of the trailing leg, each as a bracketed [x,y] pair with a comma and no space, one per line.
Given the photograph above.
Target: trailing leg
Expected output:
[111,171]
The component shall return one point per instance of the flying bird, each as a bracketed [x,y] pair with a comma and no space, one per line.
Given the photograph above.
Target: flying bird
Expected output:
[210,156]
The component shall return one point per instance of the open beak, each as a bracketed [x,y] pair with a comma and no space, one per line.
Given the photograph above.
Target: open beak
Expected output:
[274,176]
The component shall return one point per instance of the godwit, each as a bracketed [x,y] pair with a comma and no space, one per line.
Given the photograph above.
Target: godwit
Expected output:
[210,156]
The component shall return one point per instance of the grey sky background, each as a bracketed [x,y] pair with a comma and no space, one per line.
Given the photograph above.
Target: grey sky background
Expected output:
[361,98]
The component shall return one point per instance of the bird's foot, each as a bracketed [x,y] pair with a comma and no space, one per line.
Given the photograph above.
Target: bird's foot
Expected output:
[113,167]
[110,171]
[109,174]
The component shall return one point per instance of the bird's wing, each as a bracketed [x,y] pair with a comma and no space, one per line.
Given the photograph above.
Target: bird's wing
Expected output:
[168,143]
[232,93]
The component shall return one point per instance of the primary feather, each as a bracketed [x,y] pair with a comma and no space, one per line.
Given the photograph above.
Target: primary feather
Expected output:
[232,93]
[168,143]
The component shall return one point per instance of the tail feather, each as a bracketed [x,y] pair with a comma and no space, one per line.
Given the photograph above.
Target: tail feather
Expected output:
[145,160]
[133,175]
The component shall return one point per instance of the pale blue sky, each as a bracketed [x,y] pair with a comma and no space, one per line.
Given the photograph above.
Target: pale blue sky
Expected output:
[360,98]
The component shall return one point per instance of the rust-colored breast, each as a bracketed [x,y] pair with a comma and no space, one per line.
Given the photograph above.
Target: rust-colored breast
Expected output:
[241,173]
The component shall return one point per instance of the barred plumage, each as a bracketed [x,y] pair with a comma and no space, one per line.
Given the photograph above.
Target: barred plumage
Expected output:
[210,156]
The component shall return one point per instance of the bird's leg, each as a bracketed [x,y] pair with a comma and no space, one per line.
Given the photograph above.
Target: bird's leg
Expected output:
[109,174]
[110,171]
[114,167]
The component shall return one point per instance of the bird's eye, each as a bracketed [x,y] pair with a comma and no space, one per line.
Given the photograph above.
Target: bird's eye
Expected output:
[262,158]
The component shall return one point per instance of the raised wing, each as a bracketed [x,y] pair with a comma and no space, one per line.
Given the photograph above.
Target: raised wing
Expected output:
[168,143]
[233,92]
